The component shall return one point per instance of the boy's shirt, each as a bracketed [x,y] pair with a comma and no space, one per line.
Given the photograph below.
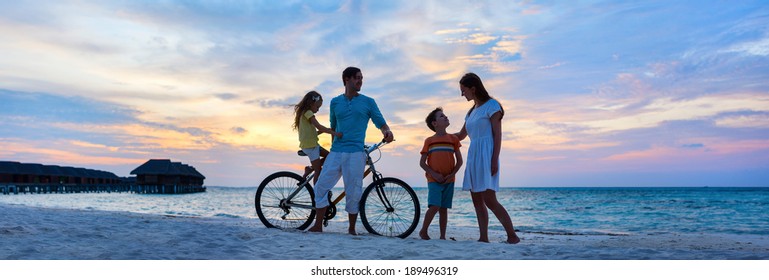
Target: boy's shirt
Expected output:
[440,154]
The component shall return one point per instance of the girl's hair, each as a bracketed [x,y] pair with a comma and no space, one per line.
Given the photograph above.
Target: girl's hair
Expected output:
[471,80]
[304,105]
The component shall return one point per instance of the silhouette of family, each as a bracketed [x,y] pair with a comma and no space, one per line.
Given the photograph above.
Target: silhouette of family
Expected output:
[441,158]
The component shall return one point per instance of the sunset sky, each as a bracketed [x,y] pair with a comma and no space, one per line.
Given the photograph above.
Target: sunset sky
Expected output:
[596,93]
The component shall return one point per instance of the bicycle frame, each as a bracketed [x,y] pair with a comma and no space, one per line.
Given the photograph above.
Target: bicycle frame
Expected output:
[371,169]
[388,206]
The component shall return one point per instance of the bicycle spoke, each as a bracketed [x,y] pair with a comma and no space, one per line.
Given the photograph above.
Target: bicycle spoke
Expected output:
[402,217]
[273,208]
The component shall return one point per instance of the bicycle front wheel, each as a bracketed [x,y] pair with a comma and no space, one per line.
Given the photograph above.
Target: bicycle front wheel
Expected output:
[389,207]
[274,207]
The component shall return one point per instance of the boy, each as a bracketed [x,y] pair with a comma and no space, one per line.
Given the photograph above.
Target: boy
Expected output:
[441,159]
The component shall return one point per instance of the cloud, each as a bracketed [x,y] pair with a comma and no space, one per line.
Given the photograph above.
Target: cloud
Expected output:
[238,130]
[693,146]
[270,103]
[44,107]
[744,119]
[226,96]
[755,48]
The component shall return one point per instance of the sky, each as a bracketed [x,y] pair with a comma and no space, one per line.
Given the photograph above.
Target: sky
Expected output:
[596,93]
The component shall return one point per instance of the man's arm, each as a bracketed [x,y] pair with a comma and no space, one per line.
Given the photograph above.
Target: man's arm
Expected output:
[379,122]
[387,134]
[332,117]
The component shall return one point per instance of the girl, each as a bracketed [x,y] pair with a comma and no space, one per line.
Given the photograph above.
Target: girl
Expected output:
[305,123]
[483,124]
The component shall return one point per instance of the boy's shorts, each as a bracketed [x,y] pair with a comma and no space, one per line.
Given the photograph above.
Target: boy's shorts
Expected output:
[439,194]
[313,153]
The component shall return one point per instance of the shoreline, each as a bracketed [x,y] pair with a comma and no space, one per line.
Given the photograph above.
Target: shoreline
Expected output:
[30,233]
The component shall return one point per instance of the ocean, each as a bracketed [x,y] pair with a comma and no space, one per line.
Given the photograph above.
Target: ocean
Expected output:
[561,211]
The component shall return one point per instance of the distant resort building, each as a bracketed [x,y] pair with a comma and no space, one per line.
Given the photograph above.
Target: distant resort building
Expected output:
[18,177]
[156,176]
[171,177]
[12,172]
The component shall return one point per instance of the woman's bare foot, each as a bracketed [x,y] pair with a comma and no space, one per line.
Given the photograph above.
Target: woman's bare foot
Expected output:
[424,236]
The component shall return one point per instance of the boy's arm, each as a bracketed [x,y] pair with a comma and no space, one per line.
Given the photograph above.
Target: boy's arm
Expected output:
[458,156]
[436,176]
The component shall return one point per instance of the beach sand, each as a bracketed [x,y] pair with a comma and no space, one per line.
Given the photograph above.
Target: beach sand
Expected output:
[28,233]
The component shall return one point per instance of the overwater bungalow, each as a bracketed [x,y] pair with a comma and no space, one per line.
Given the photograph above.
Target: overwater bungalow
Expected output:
[34,177]
[171,177]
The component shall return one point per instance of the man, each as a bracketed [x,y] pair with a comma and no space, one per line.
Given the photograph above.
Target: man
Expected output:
[350,113]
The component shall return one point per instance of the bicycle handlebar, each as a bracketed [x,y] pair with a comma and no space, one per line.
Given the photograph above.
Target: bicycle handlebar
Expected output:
[370,149]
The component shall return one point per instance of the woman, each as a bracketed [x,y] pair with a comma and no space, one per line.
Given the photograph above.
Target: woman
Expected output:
[483,124]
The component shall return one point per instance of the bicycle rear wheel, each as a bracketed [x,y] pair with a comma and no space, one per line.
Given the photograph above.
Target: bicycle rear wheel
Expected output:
[274,208]
[389,210]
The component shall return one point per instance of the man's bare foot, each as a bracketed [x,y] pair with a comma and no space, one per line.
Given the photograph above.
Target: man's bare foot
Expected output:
[424,236]
[443,238]
[315,229]
[352,232]
[483,240]
[514,240]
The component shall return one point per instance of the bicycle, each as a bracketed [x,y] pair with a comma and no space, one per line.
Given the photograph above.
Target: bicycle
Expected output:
[388,206]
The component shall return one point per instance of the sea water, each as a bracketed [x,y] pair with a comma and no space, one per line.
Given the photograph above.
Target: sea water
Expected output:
[568,211]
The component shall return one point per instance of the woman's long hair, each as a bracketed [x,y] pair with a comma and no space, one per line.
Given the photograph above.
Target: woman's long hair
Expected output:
[304,105]
[471,80]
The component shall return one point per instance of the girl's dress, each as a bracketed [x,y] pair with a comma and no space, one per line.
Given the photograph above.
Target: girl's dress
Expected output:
[478,169]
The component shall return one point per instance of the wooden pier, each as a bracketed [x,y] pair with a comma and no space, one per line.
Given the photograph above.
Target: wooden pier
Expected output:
[8,189]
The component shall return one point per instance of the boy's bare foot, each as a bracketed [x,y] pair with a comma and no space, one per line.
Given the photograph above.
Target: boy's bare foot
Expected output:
[424,236]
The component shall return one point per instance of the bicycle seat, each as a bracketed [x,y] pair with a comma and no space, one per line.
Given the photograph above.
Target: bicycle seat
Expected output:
[301,153]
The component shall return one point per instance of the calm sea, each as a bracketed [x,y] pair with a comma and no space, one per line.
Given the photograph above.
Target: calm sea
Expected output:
[584,211]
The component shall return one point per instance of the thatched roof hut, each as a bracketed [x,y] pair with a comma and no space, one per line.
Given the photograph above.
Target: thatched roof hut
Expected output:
[166,172]
[16,172]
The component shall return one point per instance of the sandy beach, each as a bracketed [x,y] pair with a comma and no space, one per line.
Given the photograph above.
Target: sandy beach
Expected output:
[146,245]
[28,233]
